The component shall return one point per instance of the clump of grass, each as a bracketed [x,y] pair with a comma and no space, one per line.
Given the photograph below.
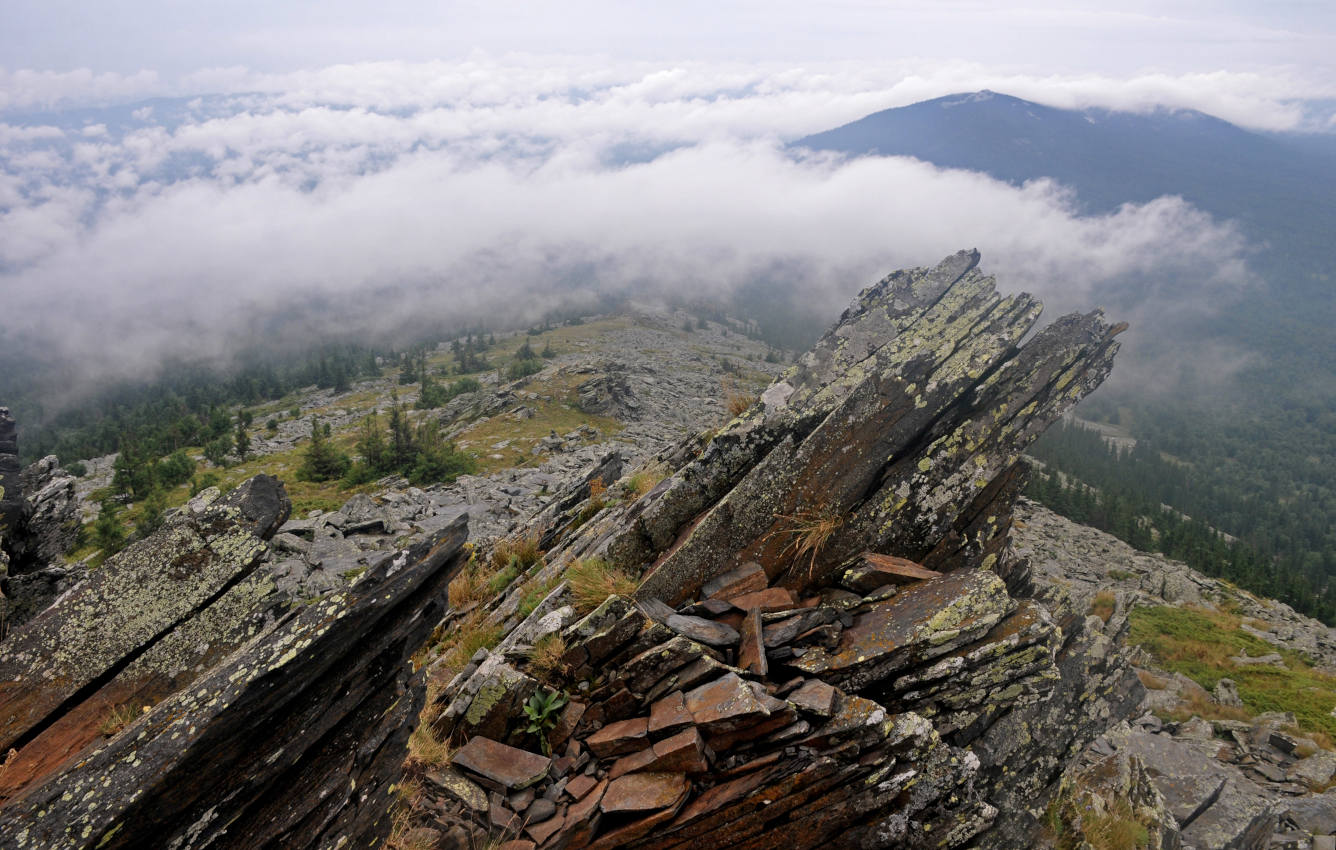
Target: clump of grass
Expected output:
[426,749]
[520,552]
[120,717]
[642,481]
[403,835]
[809,530]
[737,401]
[545,656]
[1121,575]
[470,585]
[1083,819]
[596,502]
[535,592]
[592,580]
[1200,705]
[1103,604]
[500,581]
[453,646]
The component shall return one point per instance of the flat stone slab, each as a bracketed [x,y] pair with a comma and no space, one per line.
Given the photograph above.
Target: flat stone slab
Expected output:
[615,739]
[704,631]
[669,714]
[874,571]
[745,579]
[512,767]
[814,697]
[724,705]
[767,601]
[925,621]
[644,792]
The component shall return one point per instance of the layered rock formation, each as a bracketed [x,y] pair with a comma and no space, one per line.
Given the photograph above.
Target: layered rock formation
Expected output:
[178,698]
[822,649]
[39,522]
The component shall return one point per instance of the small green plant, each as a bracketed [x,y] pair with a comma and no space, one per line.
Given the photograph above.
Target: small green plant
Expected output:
[541,709]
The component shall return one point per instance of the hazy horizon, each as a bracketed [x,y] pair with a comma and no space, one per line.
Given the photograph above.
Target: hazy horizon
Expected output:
[168,173]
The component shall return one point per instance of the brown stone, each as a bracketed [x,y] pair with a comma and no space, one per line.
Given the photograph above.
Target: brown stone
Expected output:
[682,753]
[620,738]
[669,715]
[768,600]
[745,579]
[814,697]
[545,829]
[566,725]
[583,816]
[724,704]
[759,728]
[511,767]
[643,760]
[623,835]
[580,786]
[644,792]
[501,817]
[518,844]
[875,570]
[751,652]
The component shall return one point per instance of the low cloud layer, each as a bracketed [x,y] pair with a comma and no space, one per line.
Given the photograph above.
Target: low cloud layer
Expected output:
[131,235]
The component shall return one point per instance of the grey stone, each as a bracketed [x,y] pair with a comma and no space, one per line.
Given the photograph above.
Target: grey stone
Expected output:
[705,631]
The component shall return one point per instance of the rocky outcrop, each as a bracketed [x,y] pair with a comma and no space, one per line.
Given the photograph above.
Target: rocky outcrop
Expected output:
[823,649]
[177,698]
[51,514]
[11,492]
[1235,781]
[610,394]
[39,523]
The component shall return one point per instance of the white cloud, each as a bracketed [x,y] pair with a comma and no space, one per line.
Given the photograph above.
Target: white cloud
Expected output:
[472,186]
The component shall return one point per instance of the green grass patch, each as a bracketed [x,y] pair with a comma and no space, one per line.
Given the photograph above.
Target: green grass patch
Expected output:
[560,414]
[1199,643]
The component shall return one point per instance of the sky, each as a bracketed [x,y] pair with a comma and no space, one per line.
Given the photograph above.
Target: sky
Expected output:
[170,171]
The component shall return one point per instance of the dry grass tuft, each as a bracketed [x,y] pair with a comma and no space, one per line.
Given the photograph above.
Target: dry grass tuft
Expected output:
[427,750]
[1103,604]
[592,580]
[545,657]
[520,552]
[809,530]
[120,717]
[1151,682]
[738,402]
[644,480]
[470,585]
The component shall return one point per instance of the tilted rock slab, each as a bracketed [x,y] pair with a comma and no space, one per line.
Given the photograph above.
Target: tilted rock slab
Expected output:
[287,733]
[904,427]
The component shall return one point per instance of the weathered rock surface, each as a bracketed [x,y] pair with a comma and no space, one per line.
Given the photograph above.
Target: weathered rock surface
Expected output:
[11,493]
[174,699]
[39,522]
[890,711]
